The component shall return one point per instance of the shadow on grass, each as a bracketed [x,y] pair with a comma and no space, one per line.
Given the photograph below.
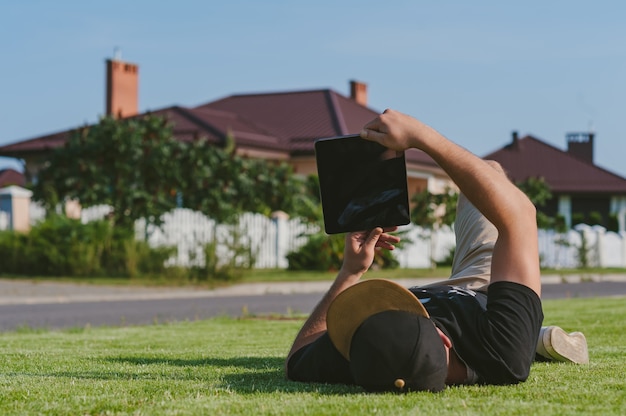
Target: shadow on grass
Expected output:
[248,375]
[243,375]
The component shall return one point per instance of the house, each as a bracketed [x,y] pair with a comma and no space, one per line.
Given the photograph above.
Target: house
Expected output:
[278,126]
[283,126]
[582,191]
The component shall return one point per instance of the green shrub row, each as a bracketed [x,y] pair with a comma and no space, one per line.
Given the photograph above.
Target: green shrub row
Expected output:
[60,246]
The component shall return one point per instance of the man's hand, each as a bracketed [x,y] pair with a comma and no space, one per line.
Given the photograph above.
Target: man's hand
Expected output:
[358,257]
[397,131]
[360,248]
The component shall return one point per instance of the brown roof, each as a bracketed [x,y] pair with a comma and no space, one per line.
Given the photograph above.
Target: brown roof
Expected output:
[11,177]
[286,122]
[564,173]
[299,114]
[37,144]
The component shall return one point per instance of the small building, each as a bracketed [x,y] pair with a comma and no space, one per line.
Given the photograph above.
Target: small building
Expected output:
[581,190]
[15,205]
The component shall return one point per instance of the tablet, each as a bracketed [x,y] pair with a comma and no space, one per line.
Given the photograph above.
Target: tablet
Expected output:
[363,185]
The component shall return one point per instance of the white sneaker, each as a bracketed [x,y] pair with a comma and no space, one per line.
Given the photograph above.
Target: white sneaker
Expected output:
[556,344]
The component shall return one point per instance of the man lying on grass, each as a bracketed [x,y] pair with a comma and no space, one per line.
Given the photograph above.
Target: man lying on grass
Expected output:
[483,325]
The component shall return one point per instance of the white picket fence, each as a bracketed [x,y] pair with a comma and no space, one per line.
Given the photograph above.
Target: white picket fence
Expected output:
[271,239]
[564,250]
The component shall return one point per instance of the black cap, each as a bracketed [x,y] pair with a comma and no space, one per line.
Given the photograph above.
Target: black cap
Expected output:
[398,351]
[386,334]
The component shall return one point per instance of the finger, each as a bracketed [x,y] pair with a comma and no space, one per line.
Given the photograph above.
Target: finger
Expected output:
[373,237]
[385,245]
[373,135]
[390,238]
[374,124]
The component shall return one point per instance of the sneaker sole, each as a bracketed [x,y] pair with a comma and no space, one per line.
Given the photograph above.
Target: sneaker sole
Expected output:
[566,347]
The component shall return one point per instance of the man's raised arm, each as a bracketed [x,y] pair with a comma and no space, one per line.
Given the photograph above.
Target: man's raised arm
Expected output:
[516,254]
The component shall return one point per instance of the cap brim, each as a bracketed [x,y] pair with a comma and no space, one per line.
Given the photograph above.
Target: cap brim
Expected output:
[357,303]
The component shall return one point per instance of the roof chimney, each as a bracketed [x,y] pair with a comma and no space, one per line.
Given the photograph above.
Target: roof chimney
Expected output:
[580,145]
[515,141]
[358,92]
[122,84]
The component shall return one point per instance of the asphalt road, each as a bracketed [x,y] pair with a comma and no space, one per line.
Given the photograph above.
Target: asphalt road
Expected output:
[137,311]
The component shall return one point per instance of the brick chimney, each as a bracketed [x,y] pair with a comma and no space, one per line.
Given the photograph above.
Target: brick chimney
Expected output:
[580,145]
[122,85]
[358,92]
[515,144]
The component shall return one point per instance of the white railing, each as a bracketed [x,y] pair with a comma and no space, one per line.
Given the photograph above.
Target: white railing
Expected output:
[271,239]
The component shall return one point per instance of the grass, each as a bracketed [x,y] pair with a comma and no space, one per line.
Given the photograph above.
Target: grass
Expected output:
[282,275]
[277,275]
[227,366]
[250,276]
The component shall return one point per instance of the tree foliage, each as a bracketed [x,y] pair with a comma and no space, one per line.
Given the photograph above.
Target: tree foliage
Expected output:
[433,211]
[536,189]
[137,167]
[222,185]
[128,164]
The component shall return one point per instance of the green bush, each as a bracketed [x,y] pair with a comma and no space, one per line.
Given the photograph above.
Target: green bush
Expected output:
[64,247]
[578,218]
[12,251]
[613,223]
[60,246]
[321,252]
[595,218]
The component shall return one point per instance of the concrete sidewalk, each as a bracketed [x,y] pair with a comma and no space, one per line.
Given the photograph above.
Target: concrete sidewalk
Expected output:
[13,291]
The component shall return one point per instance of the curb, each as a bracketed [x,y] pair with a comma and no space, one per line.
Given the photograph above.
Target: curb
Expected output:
[16,292]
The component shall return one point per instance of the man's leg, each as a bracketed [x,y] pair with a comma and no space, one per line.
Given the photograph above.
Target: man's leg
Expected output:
[475,238]
[471,269]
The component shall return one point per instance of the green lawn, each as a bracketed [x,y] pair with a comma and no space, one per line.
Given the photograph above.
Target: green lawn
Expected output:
[282,275]
[228,366]
[249,276]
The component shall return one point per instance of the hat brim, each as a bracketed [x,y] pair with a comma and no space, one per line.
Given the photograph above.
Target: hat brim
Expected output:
[367,298]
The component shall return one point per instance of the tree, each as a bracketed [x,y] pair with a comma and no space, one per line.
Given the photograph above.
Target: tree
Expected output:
[222,185]
[128,164]
[137,167]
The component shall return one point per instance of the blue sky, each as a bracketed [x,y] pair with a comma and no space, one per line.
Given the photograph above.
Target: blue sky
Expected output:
[475,71]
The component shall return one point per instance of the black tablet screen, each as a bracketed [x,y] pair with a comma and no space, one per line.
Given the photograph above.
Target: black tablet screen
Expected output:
[363,185]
